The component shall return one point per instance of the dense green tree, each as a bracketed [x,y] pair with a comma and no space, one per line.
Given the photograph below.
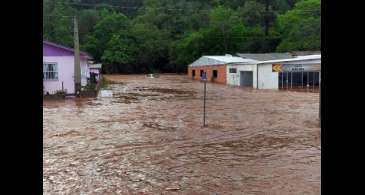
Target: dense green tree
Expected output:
[58,25]
[151,44]
[300,28]
[110,23]
[87,20]
[166,35]
[118,55]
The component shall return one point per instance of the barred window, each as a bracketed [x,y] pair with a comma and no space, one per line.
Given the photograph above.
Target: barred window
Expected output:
[50,71]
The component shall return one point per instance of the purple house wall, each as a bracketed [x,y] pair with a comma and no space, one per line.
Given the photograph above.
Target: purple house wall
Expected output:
[58,68]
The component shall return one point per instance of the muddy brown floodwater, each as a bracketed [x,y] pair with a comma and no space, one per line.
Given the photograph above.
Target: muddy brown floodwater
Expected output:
[148,139]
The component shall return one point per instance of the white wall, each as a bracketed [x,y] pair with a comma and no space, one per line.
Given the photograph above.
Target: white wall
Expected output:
[85,72]
[267,78]
[65,65]
[234,78]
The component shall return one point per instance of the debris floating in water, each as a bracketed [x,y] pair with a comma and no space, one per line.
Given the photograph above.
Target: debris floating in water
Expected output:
[152,75]
[106,93]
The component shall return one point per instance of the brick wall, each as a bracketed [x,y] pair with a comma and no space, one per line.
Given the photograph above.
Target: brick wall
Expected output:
[221,69]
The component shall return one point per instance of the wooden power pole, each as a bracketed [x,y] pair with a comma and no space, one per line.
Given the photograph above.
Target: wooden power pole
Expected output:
[77,69]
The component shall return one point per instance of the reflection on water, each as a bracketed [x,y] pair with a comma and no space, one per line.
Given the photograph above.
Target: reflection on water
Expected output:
[148,139]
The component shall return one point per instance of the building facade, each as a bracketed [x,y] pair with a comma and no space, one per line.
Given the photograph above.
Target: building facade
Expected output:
[303,74]
[256,71]
[214,66]
[214,73]
[58,68]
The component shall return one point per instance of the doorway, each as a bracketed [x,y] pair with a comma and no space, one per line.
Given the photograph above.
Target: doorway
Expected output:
[246,78]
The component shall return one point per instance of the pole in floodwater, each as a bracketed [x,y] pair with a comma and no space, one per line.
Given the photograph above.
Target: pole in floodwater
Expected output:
[77,68]
[205,92]
[204,79]
[319,78]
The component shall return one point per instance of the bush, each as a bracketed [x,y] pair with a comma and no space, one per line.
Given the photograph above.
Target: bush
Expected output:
[60,93]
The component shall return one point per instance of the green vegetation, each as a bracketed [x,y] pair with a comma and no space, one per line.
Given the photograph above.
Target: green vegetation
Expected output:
[105,83]
[60,94]
[149,36]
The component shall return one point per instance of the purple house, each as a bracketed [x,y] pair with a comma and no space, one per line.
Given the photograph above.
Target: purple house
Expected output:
[58,68]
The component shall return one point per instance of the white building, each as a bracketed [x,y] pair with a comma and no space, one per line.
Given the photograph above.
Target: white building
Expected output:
[242,74]
[268,79]
[259,74]
[245,74]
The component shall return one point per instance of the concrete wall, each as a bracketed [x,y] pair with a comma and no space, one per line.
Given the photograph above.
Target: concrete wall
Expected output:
[209,69]
[65,65]
[234,78]
[267,79]
[85,71]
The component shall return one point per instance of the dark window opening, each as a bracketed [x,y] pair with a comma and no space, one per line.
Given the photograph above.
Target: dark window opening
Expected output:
[215,73]
[232,70]
[307,81]
[193,73]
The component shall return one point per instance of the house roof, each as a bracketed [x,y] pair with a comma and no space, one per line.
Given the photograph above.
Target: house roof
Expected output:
[302,59]
[219,60]
[83,54]
[264,56]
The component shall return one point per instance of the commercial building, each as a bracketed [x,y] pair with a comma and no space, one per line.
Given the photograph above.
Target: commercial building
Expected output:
[256,70]
[214,66]
[301,72]
[245,74]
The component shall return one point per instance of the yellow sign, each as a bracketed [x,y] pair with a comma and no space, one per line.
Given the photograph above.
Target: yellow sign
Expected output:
[276,67]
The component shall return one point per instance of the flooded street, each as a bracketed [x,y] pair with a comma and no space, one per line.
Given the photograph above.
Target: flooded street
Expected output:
[148,139]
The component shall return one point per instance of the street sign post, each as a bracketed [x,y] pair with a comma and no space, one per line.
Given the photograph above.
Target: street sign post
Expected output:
[204,79]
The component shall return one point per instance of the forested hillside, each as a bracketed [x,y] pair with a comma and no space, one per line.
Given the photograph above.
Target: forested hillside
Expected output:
[139,36]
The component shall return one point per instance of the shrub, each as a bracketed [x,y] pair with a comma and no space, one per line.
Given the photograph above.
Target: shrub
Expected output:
[61,93]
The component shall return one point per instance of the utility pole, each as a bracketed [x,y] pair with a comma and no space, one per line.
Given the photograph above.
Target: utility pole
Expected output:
[205,92]
[320,97]
[77,69]
[204,79]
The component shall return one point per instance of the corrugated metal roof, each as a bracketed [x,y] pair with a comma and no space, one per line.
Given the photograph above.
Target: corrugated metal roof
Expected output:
[311,58]
[265,56]
[219,60]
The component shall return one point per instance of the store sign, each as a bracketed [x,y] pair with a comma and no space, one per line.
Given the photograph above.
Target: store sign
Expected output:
[296,67]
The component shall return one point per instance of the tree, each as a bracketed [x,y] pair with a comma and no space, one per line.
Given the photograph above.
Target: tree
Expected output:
[300,28]
[87,20]
[151,44]
[166,35]
[57,22]
[186,50]
[110,23]
[118,55]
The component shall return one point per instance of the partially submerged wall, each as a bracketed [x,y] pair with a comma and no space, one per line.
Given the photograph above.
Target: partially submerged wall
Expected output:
[221,70]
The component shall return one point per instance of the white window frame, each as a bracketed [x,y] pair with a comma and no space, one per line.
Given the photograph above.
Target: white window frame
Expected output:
[45,71]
